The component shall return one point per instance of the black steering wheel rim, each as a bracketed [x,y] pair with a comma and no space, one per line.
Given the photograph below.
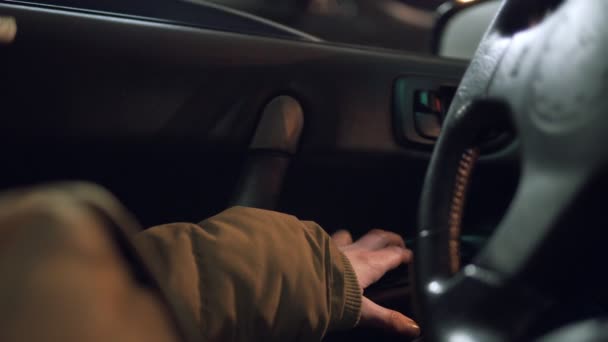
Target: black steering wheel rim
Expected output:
[547,76]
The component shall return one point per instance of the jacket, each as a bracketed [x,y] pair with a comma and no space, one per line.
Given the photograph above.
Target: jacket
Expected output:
[76,267]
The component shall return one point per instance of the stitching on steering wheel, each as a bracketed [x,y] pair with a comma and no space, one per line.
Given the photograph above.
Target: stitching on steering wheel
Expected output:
[461,185]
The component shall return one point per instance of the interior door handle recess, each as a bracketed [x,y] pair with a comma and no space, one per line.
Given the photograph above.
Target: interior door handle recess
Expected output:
[420,104]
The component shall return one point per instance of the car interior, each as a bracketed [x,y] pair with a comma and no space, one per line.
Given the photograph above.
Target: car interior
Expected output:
[181,120]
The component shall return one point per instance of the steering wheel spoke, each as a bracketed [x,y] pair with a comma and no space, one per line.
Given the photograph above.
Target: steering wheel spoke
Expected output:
[542,201]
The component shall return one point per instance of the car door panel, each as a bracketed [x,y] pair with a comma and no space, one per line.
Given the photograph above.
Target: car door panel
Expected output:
[163,115]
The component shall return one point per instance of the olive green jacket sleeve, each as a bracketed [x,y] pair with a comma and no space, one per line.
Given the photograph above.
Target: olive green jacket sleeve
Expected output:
[256,275]
[76,267]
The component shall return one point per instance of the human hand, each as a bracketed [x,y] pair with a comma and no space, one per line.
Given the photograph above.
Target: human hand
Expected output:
[371,257]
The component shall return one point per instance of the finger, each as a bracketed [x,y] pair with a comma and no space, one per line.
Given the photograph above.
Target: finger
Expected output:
[342,238]
[374,315]
[378,238]
[390,258]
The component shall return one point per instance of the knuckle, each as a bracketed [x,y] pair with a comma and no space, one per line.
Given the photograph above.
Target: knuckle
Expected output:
[396,250]
[378,232]
[381,235]
[346,235]
[397,238]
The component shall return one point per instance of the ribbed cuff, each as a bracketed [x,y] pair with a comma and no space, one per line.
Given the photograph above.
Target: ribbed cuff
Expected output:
[352,296]
[346,295]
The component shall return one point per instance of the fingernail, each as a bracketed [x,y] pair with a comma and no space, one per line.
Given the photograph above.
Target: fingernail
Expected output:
[8,29]
[415,328]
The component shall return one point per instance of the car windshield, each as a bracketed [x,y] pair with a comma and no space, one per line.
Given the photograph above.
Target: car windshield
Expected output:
[393,24]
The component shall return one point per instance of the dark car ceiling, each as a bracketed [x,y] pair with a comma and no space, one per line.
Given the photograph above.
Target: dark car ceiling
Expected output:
[163,114]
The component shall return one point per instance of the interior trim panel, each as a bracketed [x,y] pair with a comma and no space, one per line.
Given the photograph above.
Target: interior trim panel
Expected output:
[163,115]
[347,103]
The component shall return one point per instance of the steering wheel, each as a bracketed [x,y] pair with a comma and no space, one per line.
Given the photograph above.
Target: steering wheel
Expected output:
[542,68]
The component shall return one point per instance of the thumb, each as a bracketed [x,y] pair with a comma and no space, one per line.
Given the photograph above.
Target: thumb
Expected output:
[374,315]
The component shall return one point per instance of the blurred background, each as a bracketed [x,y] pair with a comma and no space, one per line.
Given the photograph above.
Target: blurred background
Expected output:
[394,24]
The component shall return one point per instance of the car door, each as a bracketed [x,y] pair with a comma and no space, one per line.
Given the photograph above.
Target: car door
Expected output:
[164,103]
